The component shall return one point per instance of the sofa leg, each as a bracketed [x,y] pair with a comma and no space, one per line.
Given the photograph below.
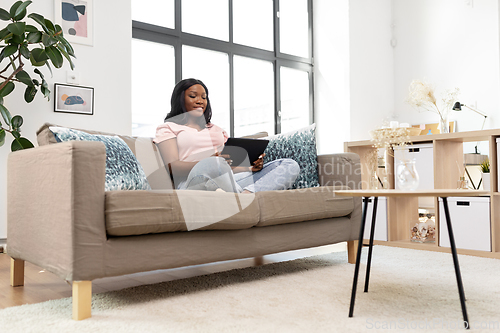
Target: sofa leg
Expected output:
[352,248]
[16,272]
[258,261]
[82,299]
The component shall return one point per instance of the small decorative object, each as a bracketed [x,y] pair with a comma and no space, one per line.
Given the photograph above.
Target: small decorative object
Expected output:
[396,138]
[424,232]
[406,175]
[422,96]
[485,169]
[462,184]
[75,18]
[73,99]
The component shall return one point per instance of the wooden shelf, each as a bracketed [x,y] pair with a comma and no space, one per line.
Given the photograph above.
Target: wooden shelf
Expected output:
[447,153]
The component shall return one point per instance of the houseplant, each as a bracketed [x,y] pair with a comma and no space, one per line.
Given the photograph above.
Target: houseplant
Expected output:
[485,170]
[20,41]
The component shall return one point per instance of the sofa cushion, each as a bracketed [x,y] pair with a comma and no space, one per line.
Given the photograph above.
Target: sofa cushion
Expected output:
[143,148]
[281,207]
[300,146]
[123,171]
[143,212]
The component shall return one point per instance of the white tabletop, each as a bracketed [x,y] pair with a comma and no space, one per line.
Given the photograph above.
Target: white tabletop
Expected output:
[416,193]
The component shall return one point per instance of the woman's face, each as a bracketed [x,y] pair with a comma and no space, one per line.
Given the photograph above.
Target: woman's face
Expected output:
[195,100]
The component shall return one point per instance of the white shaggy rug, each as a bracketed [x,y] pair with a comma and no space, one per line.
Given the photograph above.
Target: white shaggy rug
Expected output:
[409,291]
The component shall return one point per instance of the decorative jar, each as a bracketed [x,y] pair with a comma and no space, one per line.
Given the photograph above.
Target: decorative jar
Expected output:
[406,175]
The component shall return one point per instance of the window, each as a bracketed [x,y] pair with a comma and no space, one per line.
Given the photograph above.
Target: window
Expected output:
[254,56]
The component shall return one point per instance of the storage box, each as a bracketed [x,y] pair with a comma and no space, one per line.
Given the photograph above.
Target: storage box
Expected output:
[381,224]
[470,219]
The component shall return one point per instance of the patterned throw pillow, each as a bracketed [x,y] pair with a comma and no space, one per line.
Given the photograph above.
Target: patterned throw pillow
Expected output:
[123,171]
[300,146]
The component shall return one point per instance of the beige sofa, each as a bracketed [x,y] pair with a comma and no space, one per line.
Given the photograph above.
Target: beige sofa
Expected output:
[61,218]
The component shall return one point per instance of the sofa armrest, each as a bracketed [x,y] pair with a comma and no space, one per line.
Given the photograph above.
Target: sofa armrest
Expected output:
[343,169]
[55,216]
[340,169]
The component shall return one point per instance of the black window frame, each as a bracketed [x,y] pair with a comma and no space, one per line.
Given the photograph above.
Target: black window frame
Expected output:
[177,38]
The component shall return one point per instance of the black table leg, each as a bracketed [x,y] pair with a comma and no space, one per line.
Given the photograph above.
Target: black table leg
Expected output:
[455,262]
[370,245]
[358,258]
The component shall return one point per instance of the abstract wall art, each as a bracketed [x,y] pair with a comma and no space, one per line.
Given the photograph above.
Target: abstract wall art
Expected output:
[73,99]
[75,18]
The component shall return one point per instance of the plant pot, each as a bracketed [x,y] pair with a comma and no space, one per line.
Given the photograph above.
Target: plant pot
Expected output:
[486,181]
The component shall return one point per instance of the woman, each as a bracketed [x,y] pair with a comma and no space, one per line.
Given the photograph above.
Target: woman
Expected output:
[189,144]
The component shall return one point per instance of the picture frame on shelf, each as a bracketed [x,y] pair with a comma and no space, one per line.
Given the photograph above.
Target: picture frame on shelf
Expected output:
[76,20]
[73,99]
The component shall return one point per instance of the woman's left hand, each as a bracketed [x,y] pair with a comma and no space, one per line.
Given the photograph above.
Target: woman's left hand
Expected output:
[259,164]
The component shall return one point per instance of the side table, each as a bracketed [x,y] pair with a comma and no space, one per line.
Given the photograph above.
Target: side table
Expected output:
[444,194]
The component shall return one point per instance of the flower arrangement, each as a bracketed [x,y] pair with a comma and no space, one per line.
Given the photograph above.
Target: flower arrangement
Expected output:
[422,96]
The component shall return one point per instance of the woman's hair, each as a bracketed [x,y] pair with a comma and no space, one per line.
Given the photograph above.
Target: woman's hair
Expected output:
[178,111]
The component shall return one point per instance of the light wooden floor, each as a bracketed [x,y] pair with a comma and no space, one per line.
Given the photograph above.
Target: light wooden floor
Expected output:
[40,286]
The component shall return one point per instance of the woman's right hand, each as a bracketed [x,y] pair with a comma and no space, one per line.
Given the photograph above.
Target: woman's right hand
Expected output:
[227,157]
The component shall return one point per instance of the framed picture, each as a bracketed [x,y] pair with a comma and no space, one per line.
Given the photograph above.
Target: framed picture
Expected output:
[73,99]
[75,19]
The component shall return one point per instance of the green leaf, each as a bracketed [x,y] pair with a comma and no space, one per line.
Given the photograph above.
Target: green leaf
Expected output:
[37,71]
[25,52]
[21,11]
[21,143]
[9,50]
[5,114]
[48,40]
[16,134]
[50,68]
[2,137]
[14,8]
[4,15]
[38,57]
[34,37]
[54,56]
[7,89]
[17,121]
[29,93]
[4,33]
[40,20]
[31,28]
[50,26]
[68,46]
[45,90]
[17,28]
[66,55]
[25,78]
[17,39]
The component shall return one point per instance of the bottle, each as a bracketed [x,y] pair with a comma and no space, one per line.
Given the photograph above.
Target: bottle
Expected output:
[462,184]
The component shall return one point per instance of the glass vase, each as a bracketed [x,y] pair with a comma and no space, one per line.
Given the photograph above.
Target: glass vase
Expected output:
[444,124]
[406,175]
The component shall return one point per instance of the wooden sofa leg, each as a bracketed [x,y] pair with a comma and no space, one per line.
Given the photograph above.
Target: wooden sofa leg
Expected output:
[258,261]
[352,248]
[82,299]
[16,272]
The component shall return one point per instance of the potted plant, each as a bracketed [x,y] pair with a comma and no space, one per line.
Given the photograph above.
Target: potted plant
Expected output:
[485,170]
[19,42]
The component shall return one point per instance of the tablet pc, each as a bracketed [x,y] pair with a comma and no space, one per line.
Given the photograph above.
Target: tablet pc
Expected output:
[242,148]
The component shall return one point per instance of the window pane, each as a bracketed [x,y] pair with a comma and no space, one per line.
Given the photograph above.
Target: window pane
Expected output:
[162,15]
[294,99]
[151,93]
[294,28]
[253,96]
[213,69]
[206,18]
[253,23]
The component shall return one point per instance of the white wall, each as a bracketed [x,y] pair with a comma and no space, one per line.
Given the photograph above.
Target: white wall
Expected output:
[354,77]
[371,66]
[449,44]
[105,66]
